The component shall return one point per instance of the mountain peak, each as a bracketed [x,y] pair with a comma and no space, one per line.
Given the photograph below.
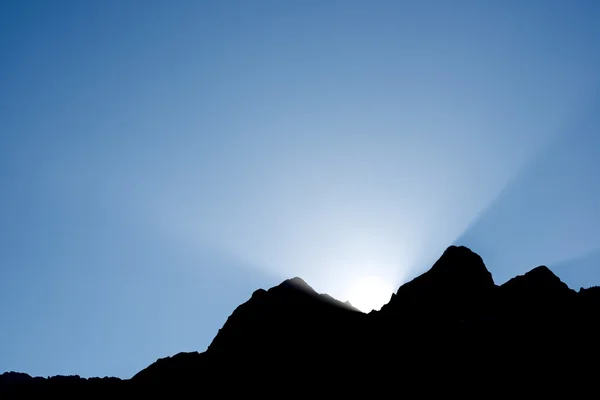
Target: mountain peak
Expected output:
[461,267]
[454,311]
[271,313]
[536,294]
[538,279]
[543,272]
[298,284]
[457,283]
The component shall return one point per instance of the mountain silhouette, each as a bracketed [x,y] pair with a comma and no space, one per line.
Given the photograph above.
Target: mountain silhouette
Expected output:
[458,286]
[451,330]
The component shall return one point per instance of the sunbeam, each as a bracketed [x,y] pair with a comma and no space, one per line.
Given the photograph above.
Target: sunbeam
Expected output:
[556,196]
[161,161]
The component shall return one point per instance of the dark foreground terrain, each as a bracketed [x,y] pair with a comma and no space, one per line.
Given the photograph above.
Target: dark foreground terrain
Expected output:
[450,331]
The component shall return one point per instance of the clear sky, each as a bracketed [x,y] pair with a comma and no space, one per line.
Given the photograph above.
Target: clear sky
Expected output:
[160,161]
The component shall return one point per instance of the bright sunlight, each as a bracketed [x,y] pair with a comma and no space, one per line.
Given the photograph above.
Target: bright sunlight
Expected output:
[370,293]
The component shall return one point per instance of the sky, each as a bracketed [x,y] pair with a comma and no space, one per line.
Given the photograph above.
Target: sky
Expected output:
[161,160]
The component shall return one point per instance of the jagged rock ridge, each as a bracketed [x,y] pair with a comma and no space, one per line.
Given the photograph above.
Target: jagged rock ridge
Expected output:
[452,321]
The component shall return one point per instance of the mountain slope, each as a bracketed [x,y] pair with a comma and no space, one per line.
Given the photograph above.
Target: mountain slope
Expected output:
[458,286]
[450,326]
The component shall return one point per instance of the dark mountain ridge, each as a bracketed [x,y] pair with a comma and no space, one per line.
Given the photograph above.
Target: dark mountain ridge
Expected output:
[450,328]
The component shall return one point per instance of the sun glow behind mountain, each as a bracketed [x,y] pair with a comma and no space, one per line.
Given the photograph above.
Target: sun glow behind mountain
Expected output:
[357,215]
[335,203]
[356,172]
[356,228]
[370,293]
[167,160]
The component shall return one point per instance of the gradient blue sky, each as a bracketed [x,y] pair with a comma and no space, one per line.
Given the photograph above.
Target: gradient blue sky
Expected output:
[160,160]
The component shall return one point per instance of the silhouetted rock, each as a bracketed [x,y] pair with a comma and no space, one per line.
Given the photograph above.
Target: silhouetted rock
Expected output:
[589,303]
[591,294]
[457,287]
[540,281]
[265,323]
[450,330]
[175,369]
[537,294]
[18,385]
[14,378]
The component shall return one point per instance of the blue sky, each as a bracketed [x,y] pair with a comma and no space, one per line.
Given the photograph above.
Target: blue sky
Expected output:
[161,160]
